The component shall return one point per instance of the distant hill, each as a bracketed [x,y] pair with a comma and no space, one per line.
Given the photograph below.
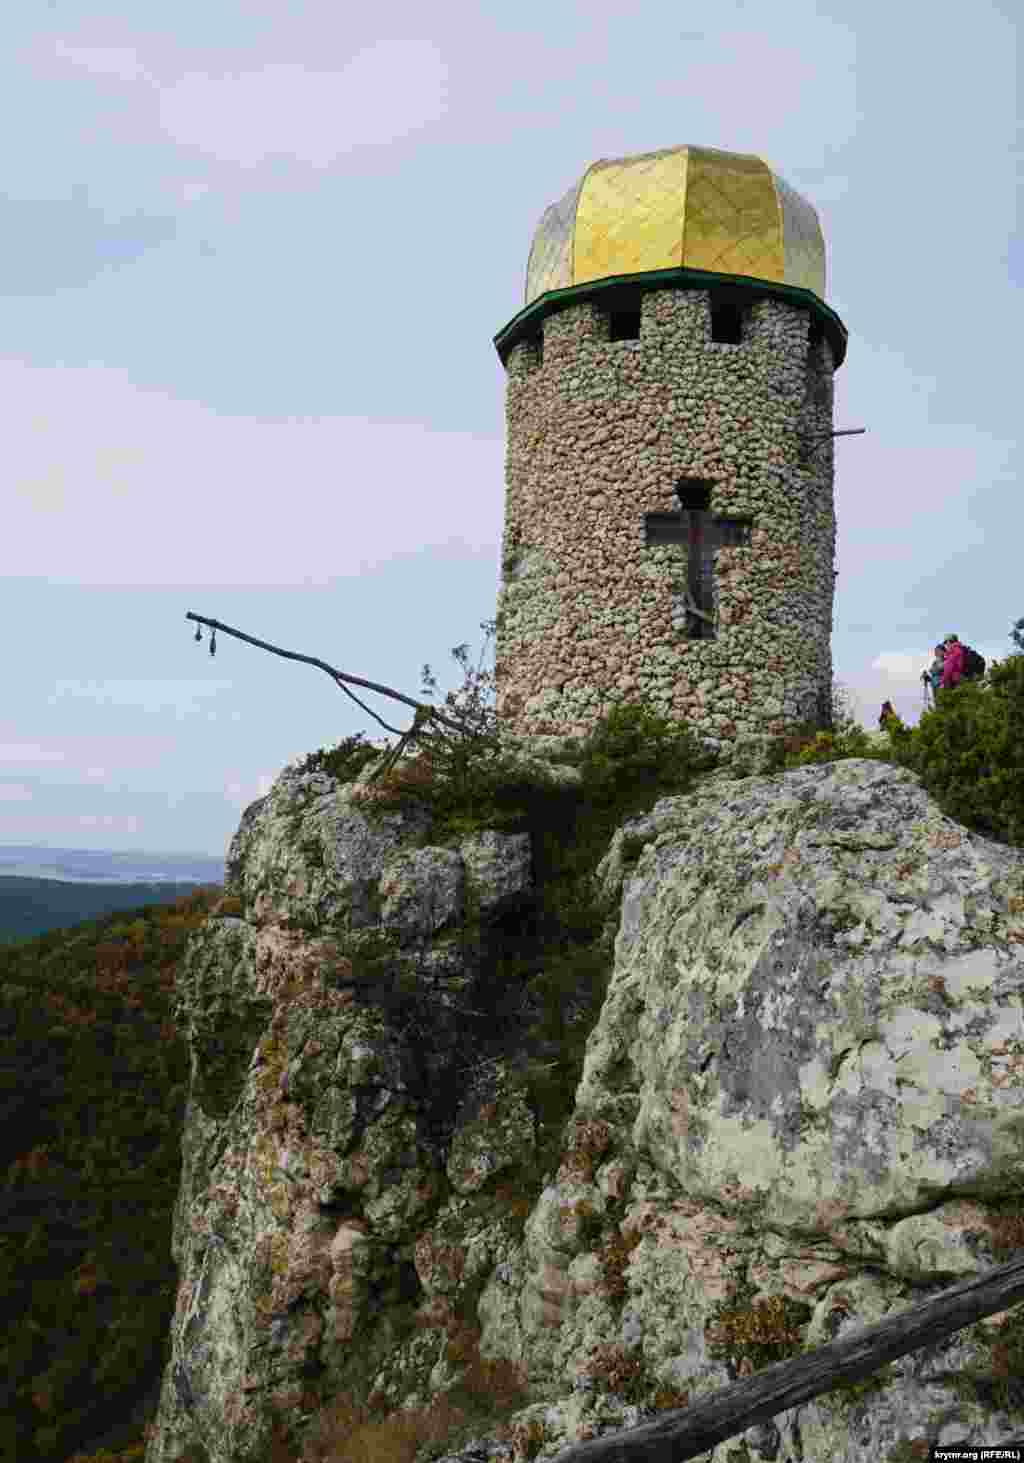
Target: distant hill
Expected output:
[30,907]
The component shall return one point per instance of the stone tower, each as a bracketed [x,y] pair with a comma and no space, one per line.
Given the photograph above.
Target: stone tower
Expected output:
[669,516]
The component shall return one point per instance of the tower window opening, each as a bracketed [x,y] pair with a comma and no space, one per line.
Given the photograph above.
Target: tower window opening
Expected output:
[694,493]
[624,324]
[726,322]
[815,335]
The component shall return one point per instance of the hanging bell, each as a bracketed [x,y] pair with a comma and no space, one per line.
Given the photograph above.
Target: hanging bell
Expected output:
[199,632]
[213,642]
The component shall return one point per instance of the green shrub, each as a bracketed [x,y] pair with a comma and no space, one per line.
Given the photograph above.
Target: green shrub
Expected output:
[635,750]
[806,745]
[344,761]
[969,752]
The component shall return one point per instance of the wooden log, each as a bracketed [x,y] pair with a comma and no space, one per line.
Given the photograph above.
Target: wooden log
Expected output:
[684,1433]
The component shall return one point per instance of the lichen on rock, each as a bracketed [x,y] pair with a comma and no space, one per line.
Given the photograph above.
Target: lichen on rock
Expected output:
[801,1110]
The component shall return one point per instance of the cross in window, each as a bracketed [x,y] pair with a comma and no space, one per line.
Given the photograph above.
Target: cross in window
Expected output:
[694,526]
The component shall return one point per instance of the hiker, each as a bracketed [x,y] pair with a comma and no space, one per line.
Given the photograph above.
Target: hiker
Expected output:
[932,677]
[953,664]
[883,716]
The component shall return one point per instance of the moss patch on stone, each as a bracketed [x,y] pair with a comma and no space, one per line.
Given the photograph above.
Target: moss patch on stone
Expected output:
[751,1334]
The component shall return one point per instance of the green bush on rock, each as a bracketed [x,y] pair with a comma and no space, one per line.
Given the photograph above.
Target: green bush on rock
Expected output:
[344,761]
[968,750]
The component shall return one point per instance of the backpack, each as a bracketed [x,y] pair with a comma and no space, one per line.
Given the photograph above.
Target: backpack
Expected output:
[974,664]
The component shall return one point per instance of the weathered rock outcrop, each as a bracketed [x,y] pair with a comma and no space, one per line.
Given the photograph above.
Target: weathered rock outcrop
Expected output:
[802,1108]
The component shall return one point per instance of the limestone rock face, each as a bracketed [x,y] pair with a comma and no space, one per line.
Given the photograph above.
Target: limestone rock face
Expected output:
[807,1084]
[801,1111]
[311,1169]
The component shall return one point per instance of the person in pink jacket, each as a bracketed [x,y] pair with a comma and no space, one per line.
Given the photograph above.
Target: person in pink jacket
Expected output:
[953,664]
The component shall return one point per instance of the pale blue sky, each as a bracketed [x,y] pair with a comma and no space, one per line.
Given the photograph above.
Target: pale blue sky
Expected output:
[254,258]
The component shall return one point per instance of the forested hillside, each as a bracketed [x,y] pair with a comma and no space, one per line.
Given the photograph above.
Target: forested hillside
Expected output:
[92,1088]
[30,907]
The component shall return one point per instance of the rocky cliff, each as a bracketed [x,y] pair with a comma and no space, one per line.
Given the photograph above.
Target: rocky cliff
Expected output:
[801,1109]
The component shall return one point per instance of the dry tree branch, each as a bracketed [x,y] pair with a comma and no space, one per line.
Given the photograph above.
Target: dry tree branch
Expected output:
[423,712]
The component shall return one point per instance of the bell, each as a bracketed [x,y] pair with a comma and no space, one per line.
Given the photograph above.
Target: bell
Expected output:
[213,642]
[199,632]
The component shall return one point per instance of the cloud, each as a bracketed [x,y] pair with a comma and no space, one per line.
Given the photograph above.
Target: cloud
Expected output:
[15,792]
[121,63]
[309,112]
[21,752]
[902,664]
[88,757]
[109,822]
[288,110]
[106,483]
[67,830]
[180,696]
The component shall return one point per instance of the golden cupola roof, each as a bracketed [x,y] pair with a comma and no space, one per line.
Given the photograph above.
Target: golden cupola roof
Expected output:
[692,208]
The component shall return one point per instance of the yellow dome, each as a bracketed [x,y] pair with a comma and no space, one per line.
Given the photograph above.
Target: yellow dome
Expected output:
[682,207]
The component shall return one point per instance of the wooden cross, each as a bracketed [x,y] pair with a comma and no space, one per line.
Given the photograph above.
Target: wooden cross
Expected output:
[694,526]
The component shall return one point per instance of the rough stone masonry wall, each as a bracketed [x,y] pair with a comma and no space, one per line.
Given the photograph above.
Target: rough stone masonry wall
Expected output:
[599,433]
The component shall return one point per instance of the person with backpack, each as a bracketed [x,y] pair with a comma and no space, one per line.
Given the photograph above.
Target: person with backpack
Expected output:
[953,664]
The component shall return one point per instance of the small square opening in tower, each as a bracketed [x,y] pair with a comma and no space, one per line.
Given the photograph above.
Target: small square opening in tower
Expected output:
[694,493]
[815,335]
[624,323]
[726,322]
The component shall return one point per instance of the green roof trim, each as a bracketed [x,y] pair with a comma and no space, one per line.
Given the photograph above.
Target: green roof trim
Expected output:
[530,318]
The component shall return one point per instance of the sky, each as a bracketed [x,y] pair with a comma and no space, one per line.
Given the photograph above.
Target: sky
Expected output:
[255,255]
